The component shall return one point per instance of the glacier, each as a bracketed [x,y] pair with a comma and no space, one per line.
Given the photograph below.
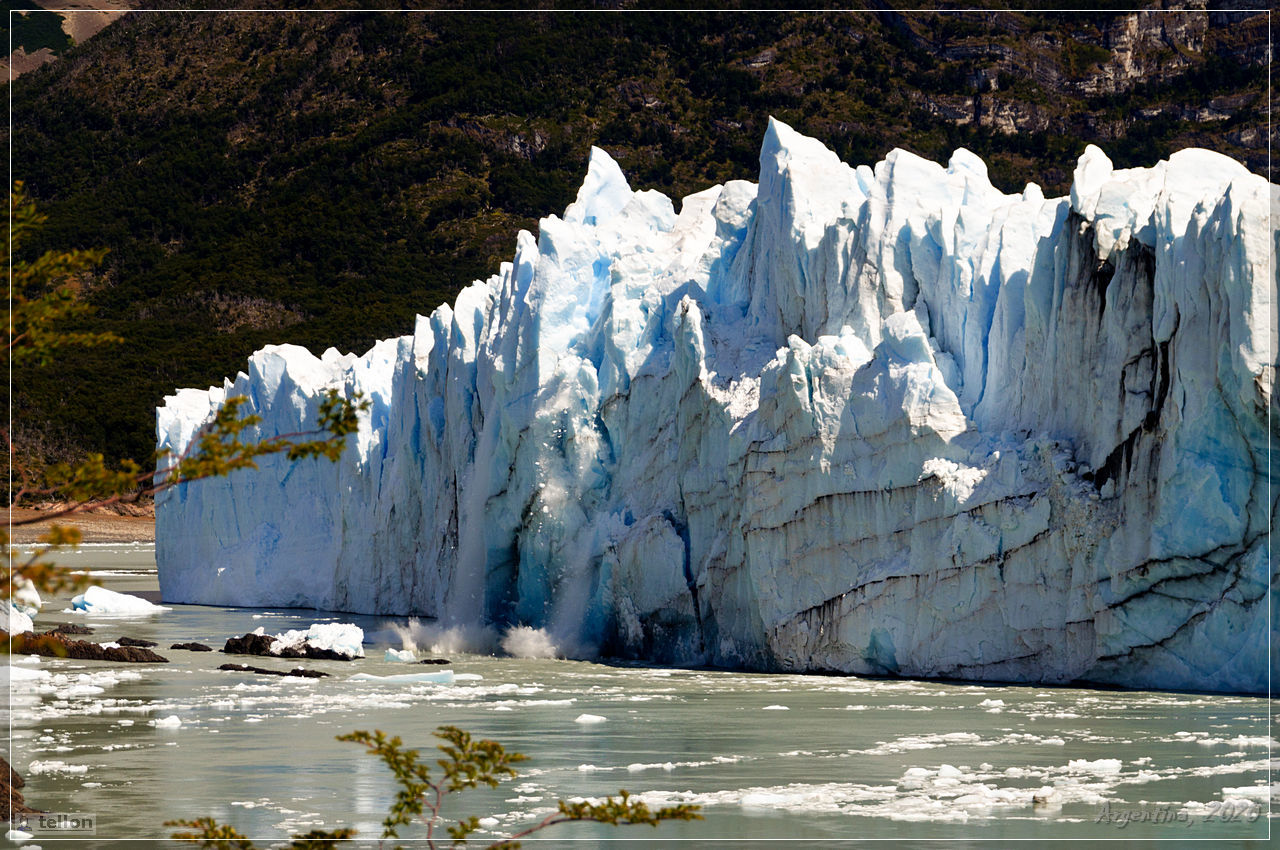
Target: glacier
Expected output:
[875,420]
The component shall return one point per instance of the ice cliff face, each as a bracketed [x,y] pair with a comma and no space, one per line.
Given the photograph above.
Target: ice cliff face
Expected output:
[884,421]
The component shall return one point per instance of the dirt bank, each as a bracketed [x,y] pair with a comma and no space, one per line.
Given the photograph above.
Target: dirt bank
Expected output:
[94,527]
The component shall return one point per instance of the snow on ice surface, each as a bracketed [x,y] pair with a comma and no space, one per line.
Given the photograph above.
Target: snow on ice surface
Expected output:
[102,602]
[345,638]
[836,420]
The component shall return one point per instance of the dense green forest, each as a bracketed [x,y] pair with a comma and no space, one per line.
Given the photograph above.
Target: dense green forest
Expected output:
[34,31]
[320,178]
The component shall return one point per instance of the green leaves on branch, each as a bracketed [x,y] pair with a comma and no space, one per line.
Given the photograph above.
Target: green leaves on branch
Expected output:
[211,834]
[413,777]
[222,447]
[45,292]
[624,811]
[46,577]
[221,836]
[221,450]
[319,839]
[471,762]
[92,480]
[467,763]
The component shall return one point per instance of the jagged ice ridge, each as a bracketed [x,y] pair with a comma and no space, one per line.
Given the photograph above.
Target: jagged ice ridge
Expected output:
[879,420]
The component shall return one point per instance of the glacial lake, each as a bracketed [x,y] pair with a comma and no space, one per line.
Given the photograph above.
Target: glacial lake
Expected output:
[818,759]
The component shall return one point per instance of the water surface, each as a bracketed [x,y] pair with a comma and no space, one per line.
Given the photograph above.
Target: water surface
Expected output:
[821,759]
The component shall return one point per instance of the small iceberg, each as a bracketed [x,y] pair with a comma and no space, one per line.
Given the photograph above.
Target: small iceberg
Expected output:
[14,620]
[405,655]
[99,600]
[440,677]
[26,598]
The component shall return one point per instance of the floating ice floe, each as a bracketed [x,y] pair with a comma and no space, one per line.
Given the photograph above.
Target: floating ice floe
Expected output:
[406,655]
[1095,766]
[100,601]
[11,674]
[440,677]
[589,719]
[56,766]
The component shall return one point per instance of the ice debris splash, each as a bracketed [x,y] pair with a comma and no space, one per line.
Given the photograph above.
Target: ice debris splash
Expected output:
[880,420]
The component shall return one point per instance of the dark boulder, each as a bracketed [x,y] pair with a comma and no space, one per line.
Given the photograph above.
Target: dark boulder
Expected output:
[250,644]
[192,647]
[128,641]
[70,629]
[310,651]
[297,671]
[57,645]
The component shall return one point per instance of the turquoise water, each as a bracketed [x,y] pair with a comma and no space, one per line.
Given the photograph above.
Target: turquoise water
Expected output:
[821,759]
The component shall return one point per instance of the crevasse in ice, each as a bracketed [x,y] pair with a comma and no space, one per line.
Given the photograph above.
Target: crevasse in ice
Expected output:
[880,420]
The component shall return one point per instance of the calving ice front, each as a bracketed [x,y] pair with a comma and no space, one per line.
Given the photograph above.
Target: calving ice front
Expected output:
[879,420]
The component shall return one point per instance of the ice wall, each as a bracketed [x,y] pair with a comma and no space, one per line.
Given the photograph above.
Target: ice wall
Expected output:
[879,420]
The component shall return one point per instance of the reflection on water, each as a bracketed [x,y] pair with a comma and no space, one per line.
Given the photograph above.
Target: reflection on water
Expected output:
[767,756]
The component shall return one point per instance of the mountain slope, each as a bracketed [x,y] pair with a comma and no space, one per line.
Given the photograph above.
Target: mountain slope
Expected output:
[318,178]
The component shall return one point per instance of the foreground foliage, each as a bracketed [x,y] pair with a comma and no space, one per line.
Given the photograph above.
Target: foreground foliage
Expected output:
[468,763]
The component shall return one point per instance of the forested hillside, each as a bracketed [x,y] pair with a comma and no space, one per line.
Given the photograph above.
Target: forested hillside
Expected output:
[319,178]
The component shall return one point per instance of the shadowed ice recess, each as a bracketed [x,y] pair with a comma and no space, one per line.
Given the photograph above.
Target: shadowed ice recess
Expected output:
[879,420]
